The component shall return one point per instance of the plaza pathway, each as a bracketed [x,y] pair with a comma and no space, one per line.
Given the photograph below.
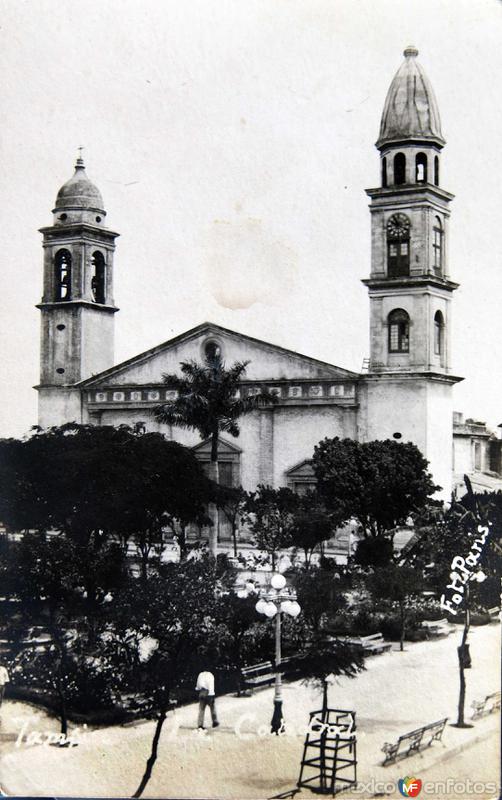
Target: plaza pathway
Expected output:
[397,693]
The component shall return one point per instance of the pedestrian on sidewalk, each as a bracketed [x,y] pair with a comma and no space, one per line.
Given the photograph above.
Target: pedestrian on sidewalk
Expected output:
[205,688]
[4,678]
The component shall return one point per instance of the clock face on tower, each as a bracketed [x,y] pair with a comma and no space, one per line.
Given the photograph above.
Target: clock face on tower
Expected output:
[398,227]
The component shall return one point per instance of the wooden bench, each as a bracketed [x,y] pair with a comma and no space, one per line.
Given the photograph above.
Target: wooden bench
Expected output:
[437,627]
[494,614]
[370,644]
[257,675]
[486,706]
[414,741]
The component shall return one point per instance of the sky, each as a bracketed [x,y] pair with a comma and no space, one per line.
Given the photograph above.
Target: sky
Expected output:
[232,143]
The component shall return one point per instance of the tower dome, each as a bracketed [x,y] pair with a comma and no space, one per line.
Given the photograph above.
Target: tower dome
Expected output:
[410,110]
[79,192]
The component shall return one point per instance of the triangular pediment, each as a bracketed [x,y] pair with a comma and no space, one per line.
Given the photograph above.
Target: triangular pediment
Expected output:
[267,362]
[224,448]
[304,469]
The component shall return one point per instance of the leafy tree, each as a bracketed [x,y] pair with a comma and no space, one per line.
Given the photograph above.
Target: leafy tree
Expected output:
[312,524]
[8,577]
[51,572]
[447,539]
[232,502]
[177,612]
[321,594]
[379,483]
[399,584]
[327,658]
[98,484]
[208,401]
[374,552]
[446,533]
[270,516]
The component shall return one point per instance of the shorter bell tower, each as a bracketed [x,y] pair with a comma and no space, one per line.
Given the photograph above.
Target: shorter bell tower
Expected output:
[409,378]
[77,307]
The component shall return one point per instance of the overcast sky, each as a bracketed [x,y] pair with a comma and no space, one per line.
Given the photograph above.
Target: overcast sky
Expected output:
[232,142]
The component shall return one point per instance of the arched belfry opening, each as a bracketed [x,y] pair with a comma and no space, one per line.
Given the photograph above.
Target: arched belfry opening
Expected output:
[98,280]
[399,169]
[438,333]
[62,275]
[421,168]
[384,172]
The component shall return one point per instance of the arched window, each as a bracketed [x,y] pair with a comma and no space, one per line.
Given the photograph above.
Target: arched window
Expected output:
[399,331]
[62,275]
[437,246]
[438,333]
[98,280]
[421,168]
[384,172]
[398,245]
[436,170]
[399,168]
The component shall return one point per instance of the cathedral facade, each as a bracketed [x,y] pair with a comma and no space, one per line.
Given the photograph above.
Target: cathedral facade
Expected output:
[406,391]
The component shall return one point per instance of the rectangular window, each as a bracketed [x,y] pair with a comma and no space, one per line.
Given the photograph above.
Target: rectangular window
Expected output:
[437,247]
[398,258]
[399,341]
[304,487]
[394,338]
[477,455]
[226,473]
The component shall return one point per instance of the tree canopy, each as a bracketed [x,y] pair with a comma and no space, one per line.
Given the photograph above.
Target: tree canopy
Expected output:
[94,482]
[378,483]
[270,516]
[312,524]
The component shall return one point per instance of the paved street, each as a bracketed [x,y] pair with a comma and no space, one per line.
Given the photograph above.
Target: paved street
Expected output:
[397,693]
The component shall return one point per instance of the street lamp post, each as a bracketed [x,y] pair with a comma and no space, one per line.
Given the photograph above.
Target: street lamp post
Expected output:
[275,602]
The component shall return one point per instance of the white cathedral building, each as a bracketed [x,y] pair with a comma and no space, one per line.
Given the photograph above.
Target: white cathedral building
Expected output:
[406,391]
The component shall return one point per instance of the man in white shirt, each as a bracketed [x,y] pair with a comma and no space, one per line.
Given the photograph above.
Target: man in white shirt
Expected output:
[4,678]
[205,688]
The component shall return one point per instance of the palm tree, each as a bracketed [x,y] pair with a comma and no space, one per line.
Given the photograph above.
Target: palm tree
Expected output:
[209,402]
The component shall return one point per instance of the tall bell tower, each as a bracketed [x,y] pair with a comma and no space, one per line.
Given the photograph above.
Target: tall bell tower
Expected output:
[409,381]
[77,307]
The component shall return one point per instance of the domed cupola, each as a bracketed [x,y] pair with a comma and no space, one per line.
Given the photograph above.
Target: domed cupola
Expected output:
[410,110]
[410,140]
[79,200]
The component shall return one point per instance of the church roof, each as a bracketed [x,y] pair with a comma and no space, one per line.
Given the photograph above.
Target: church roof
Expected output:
[79,192]
[410,110]
[322,368]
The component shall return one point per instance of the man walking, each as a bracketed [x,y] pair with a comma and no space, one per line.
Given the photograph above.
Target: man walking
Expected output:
[205,688]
